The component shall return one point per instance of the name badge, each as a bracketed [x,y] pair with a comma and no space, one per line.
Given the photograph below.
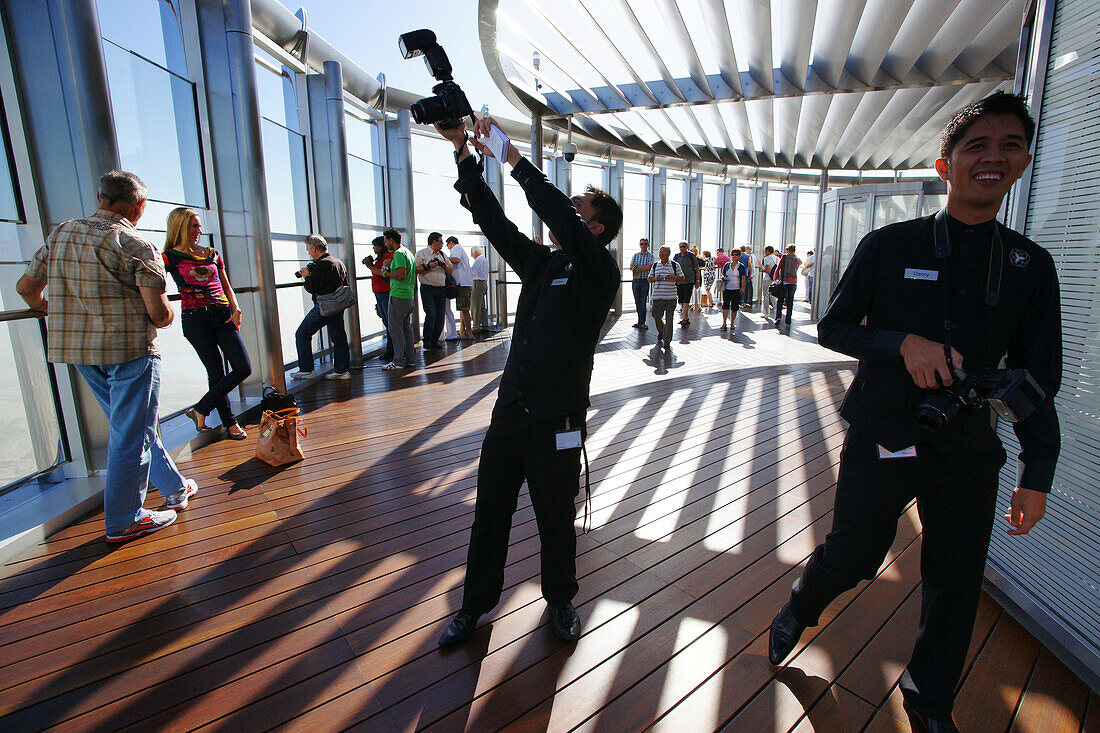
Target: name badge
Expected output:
[910,452]
[559,281]
[567,439]
[914,274]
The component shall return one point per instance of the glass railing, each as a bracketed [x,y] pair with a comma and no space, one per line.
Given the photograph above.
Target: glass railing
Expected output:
[32,441]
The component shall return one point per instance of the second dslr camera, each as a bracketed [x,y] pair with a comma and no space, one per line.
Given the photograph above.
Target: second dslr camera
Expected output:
[449,105]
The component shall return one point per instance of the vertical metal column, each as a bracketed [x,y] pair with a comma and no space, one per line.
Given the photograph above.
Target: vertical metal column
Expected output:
[495,294]
[729,215]
[655,191]
[759,216]
[536,158]
[399,167]
[333,184]
[790,215]
[819,239]
[229,51]
[695,210]
[615,186]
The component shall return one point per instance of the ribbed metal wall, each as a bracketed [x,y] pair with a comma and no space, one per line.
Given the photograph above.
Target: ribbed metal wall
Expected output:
[1054,573]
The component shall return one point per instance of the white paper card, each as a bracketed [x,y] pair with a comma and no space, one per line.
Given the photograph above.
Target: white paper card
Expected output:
[497,143]
[567,439]
[910,452]
[911,273]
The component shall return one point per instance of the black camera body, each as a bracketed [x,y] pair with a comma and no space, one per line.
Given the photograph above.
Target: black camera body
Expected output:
[449,105]
[1012,393]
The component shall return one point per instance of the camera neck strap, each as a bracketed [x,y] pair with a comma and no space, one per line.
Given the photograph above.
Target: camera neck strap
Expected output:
[943,250]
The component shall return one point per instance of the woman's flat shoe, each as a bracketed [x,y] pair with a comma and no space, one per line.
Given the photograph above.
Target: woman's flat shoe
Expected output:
[194,414]
[236,436]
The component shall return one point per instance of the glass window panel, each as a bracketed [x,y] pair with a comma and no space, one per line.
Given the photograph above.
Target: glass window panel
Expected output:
[805,229]
[743,216]
[362,137]
[292,309]
[853,225]
[894,208]
[634,185]
[150,28]
[155,125]
[675,212]
[275,92]
[31,439]
[183,377]
[773,218]
[367,201]
[10,206]
[285,168]
[585,175]
[933,202]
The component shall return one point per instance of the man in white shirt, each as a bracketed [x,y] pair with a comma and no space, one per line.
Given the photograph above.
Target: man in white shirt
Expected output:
[770,261]
[808,269]
[432,268]
[480,270]
[464,278]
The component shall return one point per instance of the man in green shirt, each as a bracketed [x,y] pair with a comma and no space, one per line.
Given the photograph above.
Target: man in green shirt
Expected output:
[402,277]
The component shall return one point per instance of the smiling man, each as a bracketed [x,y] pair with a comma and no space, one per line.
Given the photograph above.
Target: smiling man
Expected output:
[956,286]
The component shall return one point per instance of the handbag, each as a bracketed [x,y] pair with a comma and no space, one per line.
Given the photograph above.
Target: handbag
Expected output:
[776,289]
[274,400]
[338,300]
[278,443]
[450,287]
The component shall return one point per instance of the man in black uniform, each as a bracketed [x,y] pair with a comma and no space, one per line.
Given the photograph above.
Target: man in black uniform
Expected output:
[538,421]
[962,279]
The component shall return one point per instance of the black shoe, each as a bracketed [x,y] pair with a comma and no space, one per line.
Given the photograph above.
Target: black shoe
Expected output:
[784,636]
[567,624]
[643,326]
[459,630]
[637,325]
[922,724]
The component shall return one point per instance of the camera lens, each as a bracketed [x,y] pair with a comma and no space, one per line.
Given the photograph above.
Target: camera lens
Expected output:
[428,110]
[937,410]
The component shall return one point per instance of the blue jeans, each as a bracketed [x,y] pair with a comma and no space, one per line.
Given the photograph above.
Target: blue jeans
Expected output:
[211,336]
[129,394]
[434,300]
[641,295]
[810,288]
[382,308]
[303,340]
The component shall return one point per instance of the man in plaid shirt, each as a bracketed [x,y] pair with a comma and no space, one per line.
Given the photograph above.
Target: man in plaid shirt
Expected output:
[106,303]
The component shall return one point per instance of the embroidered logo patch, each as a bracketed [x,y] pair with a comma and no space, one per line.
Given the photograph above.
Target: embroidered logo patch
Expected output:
[1019,258]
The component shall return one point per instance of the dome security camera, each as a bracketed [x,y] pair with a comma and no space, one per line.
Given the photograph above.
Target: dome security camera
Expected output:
[569,151]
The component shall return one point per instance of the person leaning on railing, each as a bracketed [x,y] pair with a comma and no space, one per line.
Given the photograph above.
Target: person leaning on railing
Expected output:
[211,318]
[106,303]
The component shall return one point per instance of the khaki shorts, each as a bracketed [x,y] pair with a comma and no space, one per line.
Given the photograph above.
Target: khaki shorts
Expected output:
[462,299]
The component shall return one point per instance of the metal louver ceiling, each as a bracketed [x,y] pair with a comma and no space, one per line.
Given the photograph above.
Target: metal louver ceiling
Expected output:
[836,84]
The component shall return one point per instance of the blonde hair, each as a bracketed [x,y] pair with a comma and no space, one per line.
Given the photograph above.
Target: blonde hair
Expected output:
[179,220]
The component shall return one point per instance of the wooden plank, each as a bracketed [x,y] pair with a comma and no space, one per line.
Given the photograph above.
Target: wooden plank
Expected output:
[993,687]
[1054,701]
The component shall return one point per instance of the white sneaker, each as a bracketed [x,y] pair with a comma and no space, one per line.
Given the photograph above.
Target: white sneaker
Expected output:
[392,367]
[338,376]
[179,501]
[302,375]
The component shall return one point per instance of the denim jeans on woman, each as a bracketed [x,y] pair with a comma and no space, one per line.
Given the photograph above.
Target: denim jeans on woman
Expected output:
[129,394]
[212,337]
[337,336]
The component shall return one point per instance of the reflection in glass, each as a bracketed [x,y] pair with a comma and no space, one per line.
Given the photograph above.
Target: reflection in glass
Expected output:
[31,439]
[675,212]
[853,225]
[155,124]
[367,203]
[10,208]
[894,208]
[285,170]
[149,28]
[933,202]
[275,92]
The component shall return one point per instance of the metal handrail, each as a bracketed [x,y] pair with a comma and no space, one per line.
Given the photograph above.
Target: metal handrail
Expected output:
[21,315]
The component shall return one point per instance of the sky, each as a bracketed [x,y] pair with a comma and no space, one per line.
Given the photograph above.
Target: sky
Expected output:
[367,30]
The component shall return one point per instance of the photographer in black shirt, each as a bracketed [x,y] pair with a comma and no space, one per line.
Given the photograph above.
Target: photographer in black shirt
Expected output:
[960,285]
[538,422]
[323,276]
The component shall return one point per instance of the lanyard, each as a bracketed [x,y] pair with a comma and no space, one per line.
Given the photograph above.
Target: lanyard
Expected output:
[943,252]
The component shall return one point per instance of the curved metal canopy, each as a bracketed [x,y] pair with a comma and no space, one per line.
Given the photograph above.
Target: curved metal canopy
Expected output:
[833,84]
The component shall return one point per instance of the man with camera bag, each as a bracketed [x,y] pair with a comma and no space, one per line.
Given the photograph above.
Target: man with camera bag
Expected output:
[323,276]
[537,427]
[960,285]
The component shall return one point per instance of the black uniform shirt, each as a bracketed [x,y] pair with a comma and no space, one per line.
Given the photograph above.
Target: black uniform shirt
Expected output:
[565,297]
[896,283]
[326,274]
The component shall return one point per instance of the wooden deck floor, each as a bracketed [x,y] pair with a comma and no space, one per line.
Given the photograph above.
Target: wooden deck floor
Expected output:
[310,597]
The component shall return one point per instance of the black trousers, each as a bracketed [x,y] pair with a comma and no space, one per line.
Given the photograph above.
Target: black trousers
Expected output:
[956,504]
[785,299]
[518,446]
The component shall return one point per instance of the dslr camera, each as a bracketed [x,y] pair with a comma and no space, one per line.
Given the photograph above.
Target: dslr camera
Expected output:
[1012,393]
[448,105]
